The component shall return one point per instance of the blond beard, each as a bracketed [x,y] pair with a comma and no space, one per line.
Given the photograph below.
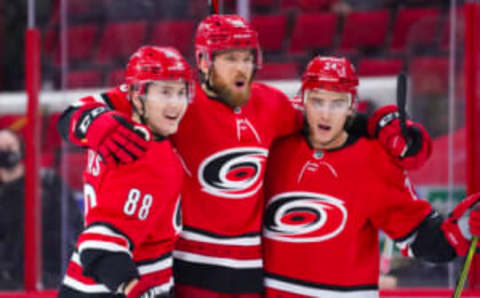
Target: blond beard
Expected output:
[229,96]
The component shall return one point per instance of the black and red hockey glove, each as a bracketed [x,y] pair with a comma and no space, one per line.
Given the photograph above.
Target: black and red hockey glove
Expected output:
[409,152]
[112,135]
[463,222]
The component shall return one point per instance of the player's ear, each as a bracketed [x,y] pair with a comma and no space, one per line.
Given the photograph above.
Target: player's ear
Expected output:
[136,101]
[203,65]
[350,112]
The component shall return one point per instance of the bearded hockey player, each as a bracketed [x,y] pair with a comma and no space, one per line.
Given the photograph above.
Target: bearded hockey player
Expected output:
[224,142]
[132,211]
[328,192]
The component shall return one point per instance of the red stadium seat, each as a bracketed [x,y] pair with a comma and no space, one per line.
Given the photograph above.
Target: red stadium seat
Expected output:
[82,7]
[429,74]
[116,77]
[81,39]
[174,33]
[84,79]
[51,141]
[50,44]
[85,10]
[119,40]
[263,3]
[459,28]
[364,29]
[278,71]
[415,27]
[379,67]
[313,31]
[307,5]
[271,31]
[72,173]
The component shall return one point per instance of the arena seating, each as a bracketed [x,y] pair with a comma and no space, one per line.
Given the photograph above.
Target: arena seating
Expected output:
[306,36]
[415,27]
[84,79]
[278,71]
[271,31]
[289,31]
[119,40]
[182,39]
[379,67]
[364,29]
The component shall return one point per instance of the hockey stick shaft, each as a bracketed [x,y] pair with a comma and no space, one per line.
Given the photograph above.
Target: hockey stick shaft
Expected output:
[402,101]
[466,268]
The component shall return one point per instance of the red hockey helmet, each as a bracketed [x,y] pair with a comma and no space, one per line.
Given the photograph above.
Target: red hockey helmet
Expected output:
[224,32]
[330,73]
[151,63]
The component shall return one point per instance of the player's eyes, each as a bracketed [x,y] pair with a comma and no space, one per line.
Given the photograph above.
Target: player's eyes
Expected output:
[182,92]
[166,92]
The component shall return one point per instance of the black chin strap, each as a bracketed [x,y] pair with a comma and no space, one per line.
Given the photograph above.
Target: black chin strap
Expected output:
[141,115]
[143,119]
[206,81]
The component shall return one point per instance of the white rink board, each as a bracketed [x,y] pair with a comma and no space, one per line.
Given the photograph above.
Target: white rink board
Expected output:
[380,90]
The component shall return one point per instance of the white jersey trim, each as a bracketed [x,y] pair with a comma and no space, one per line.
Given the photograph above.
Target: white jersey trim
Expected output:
[82,287]
[76,259]
[103,231]
[241,241]
[102,245]
[313,292]
[225,262]
[157,266]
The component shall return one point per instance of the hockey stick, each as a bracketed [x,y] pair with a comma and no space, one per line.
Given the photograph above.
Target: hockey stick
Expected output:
[401,103]
[466,267]
[213,5]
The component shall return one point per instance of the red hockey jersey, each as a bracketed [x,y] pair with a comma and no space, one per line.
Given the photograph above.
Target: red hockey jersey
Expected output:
[224,151]
[323,212]
[131,210]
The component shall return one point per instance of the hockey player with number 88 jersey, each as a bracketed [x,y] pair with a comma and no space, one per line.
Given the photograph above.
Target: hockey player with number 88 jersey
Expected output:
[132,211]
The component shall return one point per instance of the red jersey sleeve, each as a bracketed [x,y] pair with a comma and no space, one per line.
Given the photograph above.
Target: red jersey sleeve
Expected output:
[289,116]
[398,211]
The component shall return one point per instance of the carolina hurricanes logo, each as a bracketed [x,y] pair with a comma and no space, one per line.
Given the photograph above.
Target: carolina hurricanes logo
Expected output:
[177,216]
[234,173]
[304,217]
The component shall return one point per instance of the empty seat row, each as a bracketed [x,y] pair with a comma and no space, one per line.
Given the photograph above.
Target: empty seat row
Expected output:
[89,9]
[311,31]
[118,40]
[282,71]
[361,29]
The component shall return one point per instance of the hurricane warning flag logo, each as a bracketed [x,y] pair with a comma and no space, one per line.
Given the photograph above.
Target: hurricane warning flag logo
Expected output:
[234,173]
[304,217]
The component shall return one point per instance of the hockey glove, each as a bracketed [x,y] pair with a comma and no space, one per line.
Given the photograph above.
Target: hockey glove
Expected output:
[463,222]
[409,152]
[112,135]
[151,286]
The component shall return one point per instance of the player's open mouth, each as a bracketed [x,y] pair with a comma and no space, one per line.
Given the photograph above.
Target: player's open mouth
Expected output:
[239,84]
[172,117]
[324,127]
